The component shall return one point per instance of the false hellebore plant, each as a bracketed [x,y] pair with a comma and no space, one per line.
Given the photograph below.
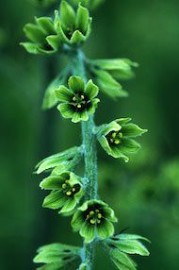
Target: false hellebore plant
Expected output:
[75,92]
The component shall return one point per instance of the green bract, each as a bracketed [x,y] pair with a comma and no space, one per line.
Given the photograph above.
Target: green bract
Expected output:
[43,37]
[78,101]
[57,256]
[66,191]
[73,26]
[108,72]
[94,219]
[119,246]
[116,138]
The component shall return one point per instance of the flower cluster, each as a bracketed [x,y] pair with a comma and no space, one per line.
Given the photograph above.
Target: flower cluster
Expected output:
[48,35]
[116,138]
[94,219]
[78,101]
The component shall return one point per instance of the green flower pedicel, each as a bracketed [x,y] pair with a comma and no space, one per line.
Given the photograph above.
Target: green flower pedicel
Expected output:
[117,138]
[94,219]
[72,180]
[79,100]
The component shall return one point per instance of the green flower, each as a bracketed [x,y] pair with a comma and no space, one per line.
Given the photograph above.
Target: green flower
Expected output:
[108,72]
[66,191]
[57,256]
[43,37]
[78,101]
[120,246]
[116,138]
[94,219]
[74,27]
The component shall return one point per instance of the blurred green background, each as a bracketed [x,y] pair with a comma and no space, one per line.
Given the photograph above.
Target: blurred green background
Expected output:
[145,192]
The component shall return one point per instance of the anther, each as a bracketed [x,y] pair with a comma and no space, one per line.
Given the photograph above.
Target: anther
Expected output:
[73,189]
[82,97]
[91,213]
[68,193]
[99,216]
[74,99]
[117,141]
[78,106]
[64,186]
[92,221]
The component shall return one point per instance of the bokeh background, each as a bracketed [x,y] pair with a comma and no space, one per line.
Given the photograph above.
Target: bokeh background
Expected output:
[145,192]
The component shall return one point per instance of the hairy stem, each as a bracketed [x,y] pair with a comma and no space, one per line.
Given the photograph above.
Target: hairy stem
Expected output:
[90,157]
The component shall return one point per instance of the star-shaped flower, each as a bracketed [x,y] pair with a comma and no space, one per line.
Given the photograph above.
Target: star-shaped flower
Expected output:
[66,191]
[116,138]
[78,101]
[74,26]
[43,37]
[94,219]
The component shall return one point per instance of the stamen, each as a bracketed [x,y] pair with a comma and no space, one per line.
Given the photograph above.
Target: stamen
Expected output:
[92,221]
[73,189]
[79,106]
[74,99]
[68,193]
[99,216]
[91,213]
[64,186]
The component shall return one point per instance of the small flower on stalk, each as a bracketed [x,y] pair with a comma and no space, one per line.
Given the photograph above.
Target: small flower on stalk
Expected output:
[116,138]
[43,37]
[94,219]
[78,101]
[73,26]
[66,191]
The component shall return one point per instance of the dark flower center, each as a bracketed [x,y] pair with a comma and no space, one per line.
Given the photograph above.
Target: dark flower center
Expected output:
[80,102]
[114,137]
[69,190]
[94,216]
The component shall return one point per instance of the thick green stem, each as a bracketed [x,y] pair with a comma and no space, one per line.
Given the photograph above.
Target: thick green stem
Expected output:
[90,157]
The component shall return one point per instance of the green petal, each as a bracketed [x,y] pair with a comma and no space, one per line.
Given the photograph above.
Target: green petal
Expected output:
[109,214]
[67,15]
[82,19]
[103,130]
[76,117]
[64,94]
[52,182]
[132,130]
[129,146]
[105,230]
[54,200]
[88,232]
[94,105]
[84,116]
[54,41]
[46,25]
[91,89]
[77,220]
[65,110]
[30,47]
[117,152]
[76,84]
[77,37]
[68,206]
[34,33]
